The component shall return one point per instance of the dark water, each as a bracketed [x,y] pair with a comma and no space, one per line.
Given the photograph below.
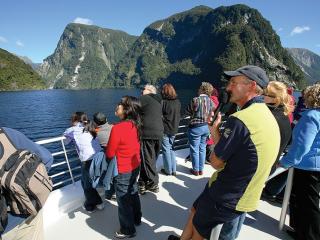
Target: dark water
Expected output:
[45,114]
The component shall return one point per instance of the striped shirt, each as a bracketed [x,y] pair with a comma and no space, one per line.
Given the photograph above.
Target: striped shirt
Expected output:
[199,110]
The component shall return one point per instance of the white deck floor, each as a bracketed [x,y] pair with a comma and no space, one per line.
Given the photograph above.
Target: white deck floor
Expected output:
[164,213]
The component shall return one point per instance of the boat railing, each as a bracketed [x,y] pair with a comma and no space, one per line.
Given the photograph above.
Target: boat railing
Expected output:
[66,166]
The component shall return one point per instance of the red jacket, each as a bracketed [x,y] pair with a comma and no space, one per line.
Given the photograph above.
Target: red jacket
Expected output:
[124,144]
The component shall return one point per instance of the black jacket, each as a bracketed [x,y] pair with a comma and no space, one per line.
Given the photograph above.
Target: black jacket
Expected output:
[151,116]
[171,116]
[284,127]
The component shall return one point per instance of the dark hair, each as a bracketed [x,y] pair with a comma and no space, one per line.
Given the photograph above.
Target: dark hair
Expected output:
[168,92]
[90,127]
[99,118]
[132,111]
[79,117]
[83,118]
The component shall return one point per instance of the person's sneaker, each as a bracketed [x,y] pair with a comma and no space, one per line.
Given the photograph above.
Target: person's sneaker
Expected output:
[119,234]
[173,237]
[200,172]
[112,197]
[88,209]
[153,188]
[164,172]
[196,173]
[174,173]
[100,206]
[142,189]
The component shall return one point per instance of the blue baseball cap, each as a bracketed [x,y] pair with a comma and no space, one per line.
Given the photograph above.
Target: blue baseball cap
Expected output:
[255,73]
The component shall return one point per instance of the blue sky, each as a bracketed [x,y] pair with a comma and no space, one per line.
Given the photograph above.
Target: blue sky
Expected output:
[32,28]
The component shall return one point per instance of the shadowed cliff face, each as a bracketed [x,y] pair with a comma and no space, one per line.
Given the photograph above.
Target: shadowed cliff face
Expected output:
[15,74]
[85,57]
[201,43]
[308,61]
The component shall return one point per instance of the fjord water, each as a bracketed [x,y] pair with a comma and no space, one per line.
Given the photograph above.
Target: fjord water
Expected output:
[45,114]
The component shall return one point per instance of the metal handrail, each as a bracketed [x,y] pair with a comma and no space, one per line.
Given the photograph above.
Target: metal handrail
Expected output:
[179,141]
[64,152]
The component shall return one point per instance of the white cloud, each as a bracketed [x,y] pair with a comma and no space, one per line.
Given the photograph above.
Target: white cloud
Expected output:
[299,30]
[280,29]
[85,21]
[3,40]
[19,43]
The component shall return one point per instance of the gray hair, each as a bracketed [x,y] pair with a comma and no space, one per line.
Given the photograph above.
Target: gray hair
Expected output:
[150,88]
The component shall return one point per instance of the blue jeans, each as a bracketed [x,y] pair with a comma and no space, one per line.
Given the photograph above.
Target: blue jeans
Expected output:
[129,207]
[197,138]
[231,230]
[168,155]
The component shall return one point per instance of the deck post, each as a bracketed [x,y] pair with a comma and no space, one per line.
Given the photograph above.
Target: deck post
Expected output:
[286,199]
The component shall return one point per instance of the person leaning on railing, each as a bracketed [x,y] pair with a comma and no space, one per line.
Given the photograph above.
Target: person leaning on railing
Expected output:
[304,156]
[83,134]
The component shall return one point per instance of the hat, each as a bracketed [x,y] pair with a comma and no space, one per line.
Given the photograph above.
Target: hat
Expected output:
[255,73]
[99,118]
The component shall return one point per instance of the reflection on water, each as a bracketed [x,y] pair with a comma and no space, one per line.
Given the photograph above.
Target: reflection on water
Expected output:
[44,114]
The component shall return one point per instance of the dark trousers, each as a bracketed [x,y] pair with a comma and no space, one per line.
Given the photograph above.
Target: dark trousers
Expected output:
[129,207]
[276,184]
[92,196]
[304,204]
[150,149]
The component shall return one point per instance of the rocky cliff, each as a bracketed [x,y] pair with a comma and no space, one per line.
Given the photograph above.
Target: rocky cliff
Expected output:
[85,57]
[308,61]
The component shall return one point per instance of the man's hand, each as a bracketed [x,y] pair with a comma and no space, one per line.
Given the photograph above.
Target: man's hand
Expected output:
[216,162]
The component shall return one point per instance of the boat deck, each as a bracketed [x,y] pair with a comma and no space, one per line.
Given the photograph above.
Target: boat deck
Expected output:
[164,213]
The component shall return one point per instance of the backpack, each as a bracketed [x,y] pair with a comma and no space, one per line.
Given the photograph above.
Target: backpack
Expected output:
[23,179]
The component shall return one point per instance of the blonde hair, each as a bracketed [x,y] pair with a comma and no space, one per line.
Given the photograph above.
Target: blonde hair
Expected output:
[206,88]
[311,96]
[278,91]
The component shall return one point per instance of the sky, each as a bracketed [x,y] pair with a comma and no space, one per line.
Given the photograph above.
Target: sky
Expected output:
[32,28]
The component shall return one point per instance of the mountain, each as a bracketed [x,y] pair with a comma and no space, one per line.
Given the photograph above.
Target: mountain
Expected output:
[85,57]
[308,61]
[199,44]
[15,74]
[27,60]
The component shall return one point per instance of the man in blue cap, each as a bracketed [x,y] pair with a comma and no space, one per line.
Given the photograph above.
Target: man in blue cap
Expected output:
[243,157]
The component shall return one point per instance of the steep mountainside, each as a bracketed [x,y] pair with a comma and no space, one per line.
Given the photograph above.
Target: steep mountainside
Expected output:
[27,60]
[199,44]
[15,74]
[85,57]
[308,61]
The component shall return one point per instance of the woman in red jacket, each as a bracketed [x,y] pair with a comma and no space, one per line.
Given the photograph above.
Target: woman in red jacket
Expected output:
[124,144]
